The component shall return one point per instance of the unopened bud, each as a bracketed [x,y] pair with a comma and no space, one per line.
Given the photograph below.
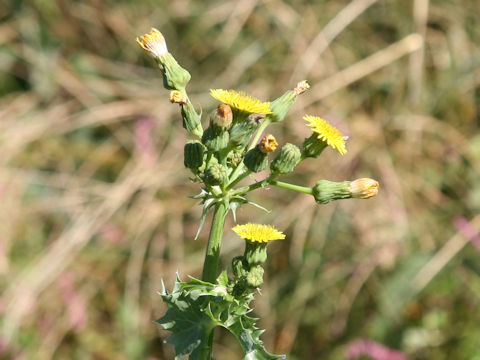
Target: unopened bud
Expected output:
[239,266]
[215,138]
[286,160]
[191,119]
[364,188]
[216,174]
[256,160]
[193,154]
[255,276]
[177,97]
[222,116]
[242,131]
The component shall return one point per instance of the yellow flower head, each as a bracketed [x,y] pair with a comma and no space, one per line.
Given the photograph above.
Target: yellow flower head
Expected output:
[241,101]
[153,43]
[327,133]
[258,232]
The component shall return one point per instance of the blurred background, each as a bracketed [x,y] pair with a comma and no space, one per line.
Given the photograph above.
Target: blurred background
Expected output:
[93,193]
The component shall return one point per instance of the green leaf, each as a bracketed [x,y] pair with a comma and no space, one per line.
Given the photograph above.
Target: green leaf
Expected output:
[196,307]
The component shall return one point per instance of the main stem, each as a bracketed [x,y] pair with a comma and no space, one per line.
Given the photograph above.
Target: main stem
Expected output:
[210,266]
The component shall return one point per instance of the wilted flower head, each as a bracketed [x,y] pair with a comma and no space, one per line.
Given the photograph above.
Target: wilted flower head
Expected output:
[258,232]
[177,97]
[153,43]
[301,87]
[241,101]
[327,133]
[364,188]
[268,144]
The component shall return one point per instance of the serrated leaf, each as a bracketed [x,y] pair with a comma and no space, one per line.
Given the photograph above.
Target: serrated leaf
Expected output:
[190,326]
[196,307]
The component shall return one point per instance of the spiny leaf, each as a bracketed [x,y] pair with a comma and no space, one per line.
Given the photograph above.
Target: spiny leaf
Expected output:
[196,307]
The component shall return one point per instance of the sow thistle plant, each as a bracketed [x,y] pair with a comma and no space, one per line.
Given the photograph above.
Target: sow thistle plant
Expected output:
[228,150]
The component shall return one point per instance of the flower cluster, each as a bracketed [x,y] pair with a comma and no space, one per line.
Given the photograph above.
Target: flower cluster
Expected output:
[228,150]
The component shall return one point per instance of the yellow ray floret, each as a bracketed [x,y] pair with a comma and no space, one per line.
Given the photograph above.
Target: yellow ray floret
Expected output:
[258,232]
[327,133]
[241,101]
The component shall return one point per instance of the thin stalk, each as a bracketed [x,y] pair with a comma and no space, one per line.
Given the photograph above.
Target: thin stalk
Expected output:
[238,179]
[296,188]
[259,133]
[249,188]
[253,143]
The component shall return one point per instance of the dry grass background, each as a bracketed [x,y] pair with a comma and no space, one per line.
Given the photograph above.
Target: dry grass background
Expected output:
[93,207]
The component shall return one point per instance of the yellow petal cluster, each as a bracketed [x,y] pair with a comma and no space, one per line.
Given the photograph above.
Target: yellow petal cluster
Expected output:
[327,133]
[241,101]
[258,232]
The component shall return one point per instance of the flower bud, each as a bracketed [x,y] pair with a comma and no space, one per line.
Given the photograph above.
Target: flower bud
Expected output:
[364,188]
[286,160]
[241,132]
[239,266]
[193,154]
[222,116]
[191,119]
[216,174]
[255,276]
[281,105]
[255,160]
[235,156]
[215,138]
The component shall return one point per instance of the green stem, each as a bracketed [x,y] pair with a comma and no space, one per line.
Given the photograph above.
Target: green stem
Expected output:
[210,265]
[238,179]
[259,133]
[288,186]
